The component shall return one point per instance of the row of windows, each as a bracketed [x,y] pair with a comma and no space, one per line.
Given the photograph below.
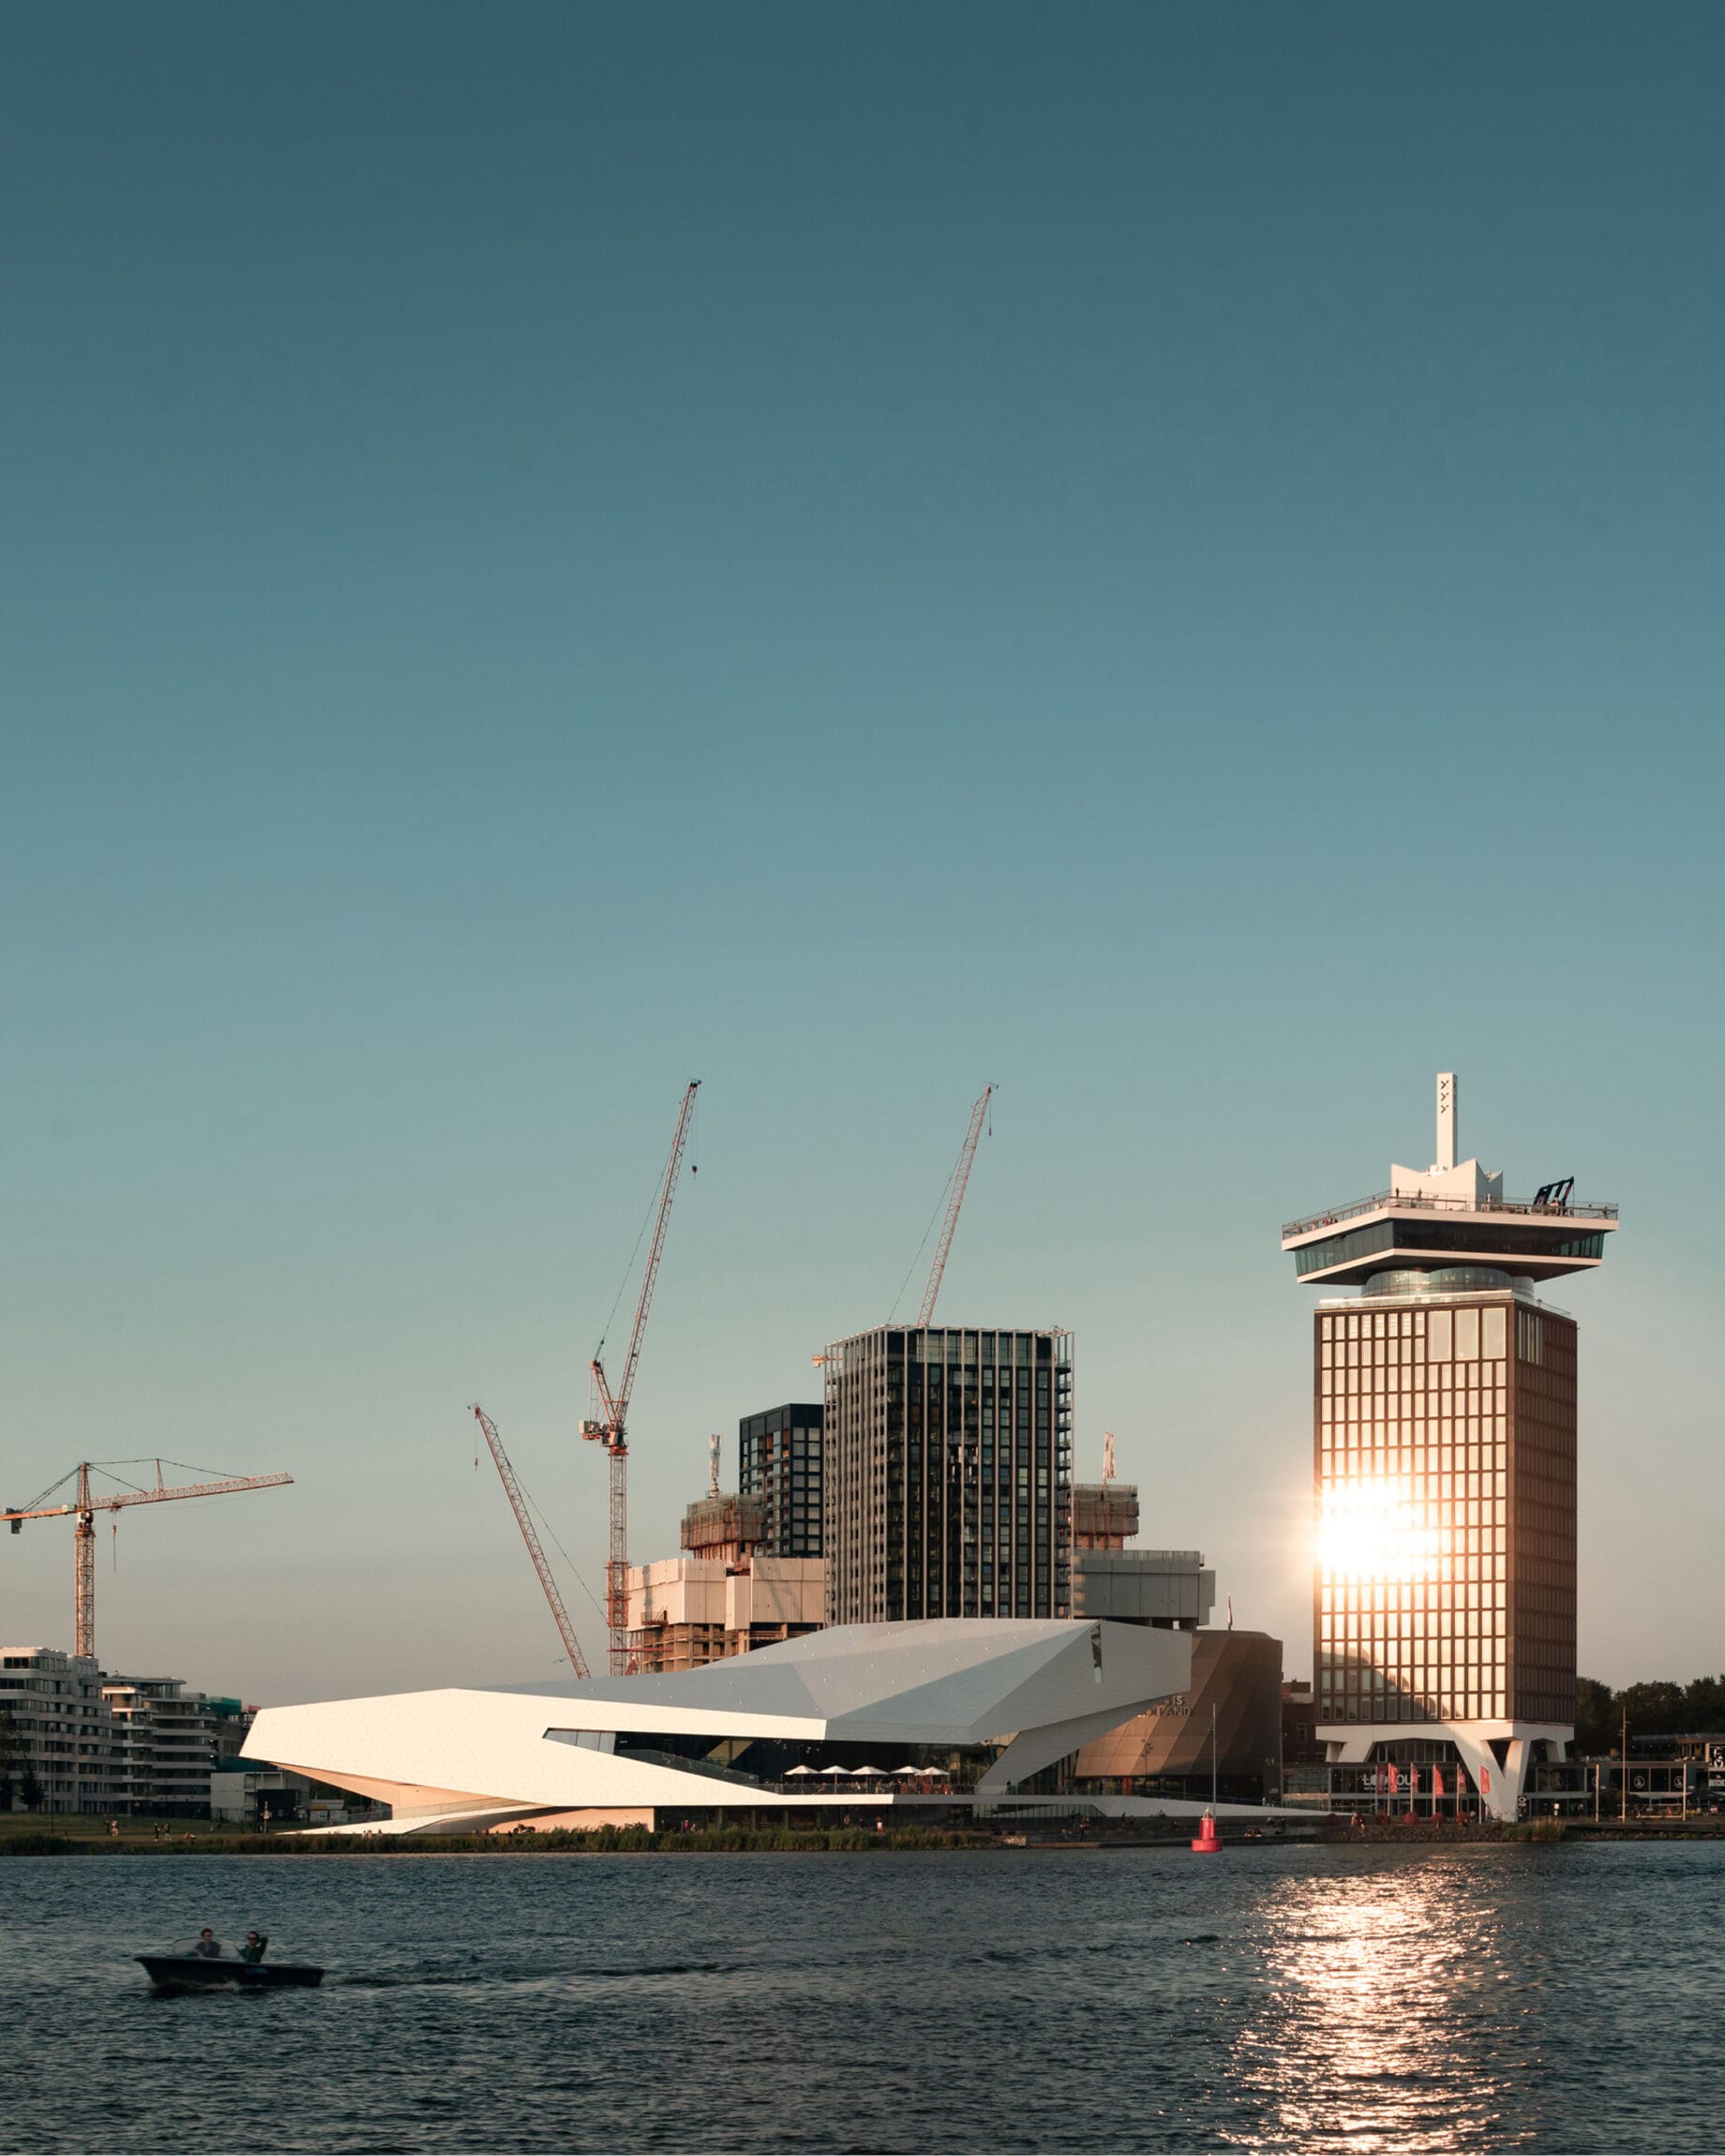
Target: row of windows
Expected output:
[1388,1404]
[1373,1324]
[1435,1383]
[1433,1623]
[1536,1331]
[1367,1433]
[1400,1652]
[1461,1707]
[1459,1522]
[1452,1337]
[1405,1594]
[1422,1611]
[1462,1470]
[1471,1568]
[1354,1672]
[935,1343]
[1488,1405]
[1487,1679]
[1424,1686]
[1410,1456]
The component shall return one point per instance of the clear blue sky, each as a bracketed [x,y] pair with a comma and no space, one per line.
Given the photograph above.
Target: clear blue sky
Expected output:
[1168,557]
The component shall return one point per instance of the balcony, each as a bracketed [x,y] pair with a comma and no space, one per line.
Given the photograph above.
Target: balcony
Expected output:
[1386,1199]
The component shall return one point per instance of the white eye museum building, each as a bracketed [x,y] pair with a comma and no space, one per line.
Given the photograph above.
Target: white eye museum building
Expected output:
[938,1717]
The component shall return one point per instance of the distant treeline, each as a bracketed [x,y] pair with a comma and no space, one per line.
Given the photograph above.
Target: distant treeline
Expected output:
[1654,1709]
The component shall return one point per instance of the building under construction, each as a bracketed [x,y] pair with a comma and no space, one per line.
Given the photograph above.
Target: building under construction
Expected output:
[726,1594]
[1104,1514]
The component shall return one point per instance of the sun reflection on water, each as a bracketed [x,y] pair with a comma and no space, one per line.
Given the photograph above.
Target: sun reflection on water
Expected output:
[1365,2039]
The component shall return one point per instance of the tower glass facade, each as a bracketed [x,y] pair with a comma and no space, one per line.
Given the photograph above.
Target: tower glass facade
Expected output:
[949,1467]
[781,1461]
[1444,1432]
[1444,1456]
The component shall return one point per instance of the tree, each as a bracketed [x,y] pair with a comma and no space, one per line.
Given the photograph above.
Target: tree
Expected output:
[1704,1703]
[1595,1718]
[30,1788]
[1654,1709]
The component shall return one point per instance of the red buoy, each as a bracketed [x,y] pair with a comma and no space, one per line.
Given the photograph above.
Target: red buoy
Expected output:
[1207,1840]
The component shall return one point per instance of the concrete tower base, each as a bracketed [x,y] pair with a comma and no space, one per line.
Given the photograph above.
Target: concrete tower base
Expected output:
[1501,1786]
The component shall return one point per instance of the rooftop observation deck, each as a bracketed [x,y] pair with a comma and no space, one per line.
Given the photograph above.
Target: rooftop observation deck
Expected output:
[1430,1231]
[1401,1202]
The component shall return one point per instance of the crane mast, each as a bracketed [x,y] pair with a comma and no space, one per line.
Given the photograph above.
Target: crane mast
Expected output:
[961,1176]
[610,1427]
[517,1503]
[89,1503]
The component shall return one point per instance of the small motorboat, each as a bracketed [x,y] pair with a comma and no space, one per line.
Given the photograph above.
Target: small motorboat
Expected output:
[204,1972]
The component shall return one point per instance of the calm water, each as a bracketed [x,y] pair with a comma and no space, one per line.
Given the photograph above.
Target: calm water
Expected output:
[1549,1998]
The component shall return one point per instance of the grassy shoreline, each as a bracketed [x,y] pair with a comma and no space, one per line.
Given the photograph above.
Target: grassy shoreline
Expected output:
[91,1839]
[66,1840]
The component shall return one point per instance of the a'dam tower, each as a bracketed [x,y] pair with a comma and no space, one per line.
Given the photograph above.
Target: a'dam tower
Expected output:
[1444,1452]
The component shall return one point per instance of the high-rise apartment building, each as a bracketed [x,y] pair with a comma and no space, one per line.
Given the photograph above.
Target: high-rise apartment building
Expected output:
[59,1749]
[1444,1444]
[780,1460]
[170,1740]
[949,1466]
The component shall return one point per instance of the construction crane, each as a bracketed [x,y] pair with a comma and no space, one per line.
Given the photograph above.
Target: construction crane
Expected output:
[89,1503]
[609,1427]
[961,1176]
[512,1489]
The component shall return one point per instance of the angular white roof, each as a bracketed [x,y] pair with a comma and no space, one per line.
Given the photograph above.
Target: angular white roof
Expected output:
[1041,1689]
[963,1679]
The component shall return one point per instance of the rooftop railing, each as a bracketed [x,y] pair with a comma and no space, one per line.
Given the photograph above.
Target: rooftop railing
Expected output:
[1404,1202]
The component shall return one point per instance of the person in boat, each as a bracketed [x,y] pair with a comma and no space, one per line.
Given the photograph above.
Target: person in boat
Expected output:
[255,1943]
[208,1946]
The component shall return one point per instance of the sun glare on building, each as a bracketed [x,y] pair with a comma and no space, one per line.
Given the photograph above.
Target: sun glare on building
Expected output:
[1371,1529]
[1444,1429]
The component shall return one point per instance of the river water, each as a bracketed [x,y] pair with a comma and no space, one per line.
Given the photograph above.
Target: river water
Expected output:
[1562,1999]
